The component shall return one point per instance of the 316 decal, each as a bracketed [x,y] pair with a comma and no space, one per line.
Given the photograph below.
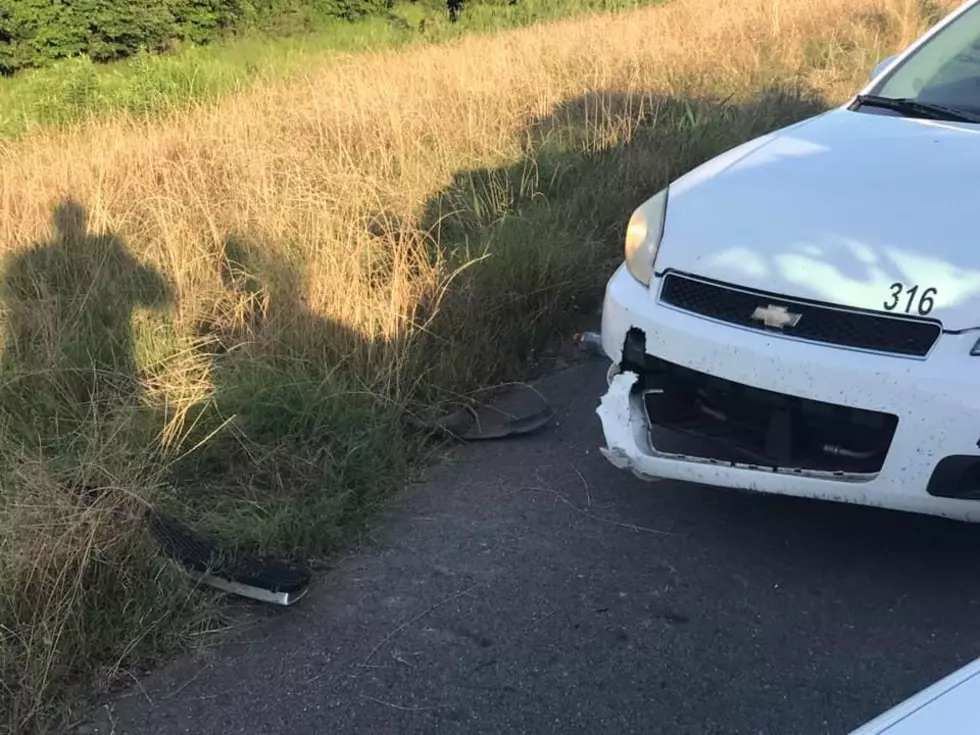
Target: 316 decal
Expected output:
[910,299]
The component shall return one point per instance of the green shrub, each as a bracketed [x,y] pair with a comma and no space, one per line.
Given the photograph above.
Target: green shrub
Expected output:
[200,21]
[34,33]
[37,31]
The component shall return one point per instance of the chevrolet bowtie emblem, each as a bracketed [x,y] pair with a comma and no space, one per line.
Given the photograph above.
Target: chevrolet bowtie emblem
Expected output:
[776,316]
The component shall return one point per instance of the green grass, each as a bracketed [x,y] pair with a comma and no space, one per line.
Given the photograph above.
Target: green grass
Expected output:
[78,89]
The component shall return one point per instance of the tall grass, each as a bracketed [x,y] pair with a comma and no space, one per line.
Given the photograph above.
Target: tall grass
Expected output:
[78,89]
[229,312]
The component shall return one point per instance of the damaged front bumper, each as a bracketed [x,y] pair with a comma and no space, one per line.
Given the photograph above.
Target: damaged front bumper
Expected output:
[634,436]
[616,413]
[785,417]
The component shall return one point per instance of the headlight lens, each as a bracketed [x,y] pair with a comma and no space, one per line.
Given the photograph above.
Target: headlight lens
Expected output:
[643,236]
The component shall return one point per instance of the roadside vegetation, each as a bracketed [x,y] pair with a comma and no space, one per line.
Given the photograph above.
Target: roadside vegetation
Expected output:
[170,55]
[232,310]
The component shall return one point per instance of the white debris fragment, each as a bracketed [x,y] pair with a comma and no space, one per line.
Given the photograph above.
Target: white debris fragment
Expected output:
[614,413]
[618,424]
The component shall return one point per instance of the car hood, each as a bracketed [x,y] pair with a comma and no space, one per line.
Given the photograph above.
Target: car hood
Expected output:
[839,208]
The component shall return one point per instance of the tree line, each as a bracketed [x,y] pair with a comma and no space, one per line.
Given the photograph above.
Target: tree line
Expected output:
[36,32]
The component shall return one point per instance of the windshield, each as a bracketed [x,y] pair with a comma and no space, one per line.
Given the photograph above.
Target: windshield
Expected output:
[944,71]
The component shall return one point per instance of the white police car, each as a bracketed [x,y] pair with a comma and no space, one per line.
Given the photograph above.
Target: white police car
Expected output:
[951,706]
[801,314]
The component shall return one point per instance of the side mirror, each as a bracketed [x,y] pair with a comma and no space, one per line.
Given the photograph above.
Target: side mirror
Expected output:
[880,66]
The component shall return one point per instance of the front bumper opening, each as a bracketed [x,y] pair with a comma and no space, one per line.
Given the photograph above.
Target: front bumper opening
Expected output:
[693,414]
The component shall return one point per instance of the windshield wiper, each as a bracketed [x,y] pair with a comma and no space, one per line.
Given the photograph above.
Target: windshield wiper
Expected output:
[914,108]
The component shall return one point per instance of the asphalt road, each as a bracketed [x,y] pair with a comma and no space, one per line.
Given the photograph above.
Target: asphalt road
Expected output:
[529,587]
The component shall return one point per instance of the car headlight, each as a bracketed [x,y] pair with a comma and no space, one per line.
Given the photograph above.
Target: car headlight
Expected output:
[643,235]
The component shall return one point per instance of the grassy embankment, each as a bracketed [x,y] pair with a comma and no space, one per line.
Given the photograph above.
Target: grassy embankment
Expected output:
[76,89]
[265,287]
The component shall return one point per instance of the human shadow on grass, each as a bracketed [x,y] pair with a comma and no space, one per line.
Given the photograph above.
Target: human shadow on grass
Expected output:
[310,422]
[295,439]
[544,233]
[69,346]
[71,394]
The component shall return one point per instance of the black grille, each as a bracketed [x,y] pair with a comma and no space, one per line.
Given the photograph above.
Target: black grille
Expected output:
[817,323]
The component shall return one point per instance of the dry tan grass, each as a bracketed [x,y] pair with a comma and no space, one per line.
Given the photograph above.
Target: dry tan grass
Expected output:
[329,179]
[307,162]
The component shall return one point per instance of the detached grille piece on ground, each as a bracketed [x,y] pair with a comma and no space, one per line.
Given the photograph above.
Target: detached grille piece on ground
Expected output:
[259,578]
